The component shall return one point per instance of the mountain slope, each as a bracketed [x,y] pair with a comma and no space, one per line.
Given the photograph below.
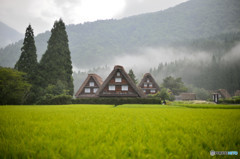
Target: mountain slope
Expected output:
[96,43]
[8,35]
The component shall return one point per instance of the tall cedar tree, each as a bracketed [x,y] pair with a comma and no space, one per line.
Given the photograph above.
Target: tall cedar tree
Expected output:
[28,63]
[56,64]
[132,75]
[28,59]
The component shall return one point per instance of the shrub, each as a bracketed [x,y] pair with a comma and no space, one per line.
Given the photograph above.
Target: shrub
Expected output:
[164,94]
[14,87]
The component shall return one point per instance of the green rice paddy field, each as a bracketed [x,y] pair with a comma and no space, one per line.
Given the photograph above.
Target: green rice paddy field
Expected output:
[126,131]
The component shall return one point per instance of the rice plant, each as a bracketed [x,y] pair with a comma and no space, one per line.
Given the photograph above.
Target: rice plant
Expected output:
[126,131]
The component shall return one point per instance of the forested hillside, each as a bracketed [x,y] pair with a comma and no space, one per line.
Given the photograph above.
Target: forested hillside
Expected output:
[96,43]
[210,74]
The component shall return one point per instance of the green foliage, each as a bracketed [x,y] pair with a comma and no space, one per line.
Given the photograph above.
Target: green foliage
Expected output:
[50,99]
[57,89]
[132,75]
[164,94]
[175,85]
[127,131]
[233,100]
[56,64]
[13,86]
[55,94]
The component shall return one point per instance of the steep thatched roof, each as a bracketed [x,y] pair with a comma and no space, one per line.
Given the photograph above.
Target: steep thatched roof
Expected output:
[148,75]
[119,68]
[188,96]
[237,93]
[95,77]
[224,93]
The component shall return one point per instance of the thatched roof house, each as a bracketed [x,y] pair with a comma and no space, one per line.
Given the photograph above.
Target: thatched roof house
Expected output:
[90,86]
[119,84]
[148,84]
[223,93]
[188,96]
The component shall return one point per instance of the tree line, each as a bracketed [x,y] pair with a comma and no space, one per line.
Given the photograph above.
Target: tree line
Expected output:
[209,75]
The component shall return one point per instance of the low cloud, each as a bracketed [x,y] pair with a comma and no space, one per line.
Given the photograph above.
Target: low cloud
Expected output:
[233,55]
[147,58]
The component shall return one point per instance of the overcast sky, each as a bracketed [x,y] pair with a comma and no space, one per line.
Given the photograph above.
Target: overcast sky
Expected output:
[41,14]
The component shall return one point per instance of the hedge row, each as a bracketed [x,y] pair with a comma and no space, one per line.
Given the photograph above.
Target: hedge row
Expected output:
[234,100]
[116,101]
[55,100]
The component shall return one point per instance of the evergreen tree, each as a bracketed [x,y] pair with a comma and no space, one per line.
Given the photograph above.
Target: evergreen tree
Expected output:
[56,64]
[132,75]
[28,59]
[28,63]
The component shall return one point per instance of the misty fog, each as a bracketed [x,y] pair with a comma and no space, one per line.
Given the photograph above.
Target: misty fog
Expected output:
[146,59]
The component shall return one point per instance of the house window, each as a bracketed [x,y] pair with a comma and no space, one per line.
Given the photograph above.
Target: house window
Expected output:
[118,79]
[144,91]
[150,84]
[145,84]
[87,90]
[152,91]
[111,87]
[118,73]
[148,80]
[91,84]
[124,87]
[95,90]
